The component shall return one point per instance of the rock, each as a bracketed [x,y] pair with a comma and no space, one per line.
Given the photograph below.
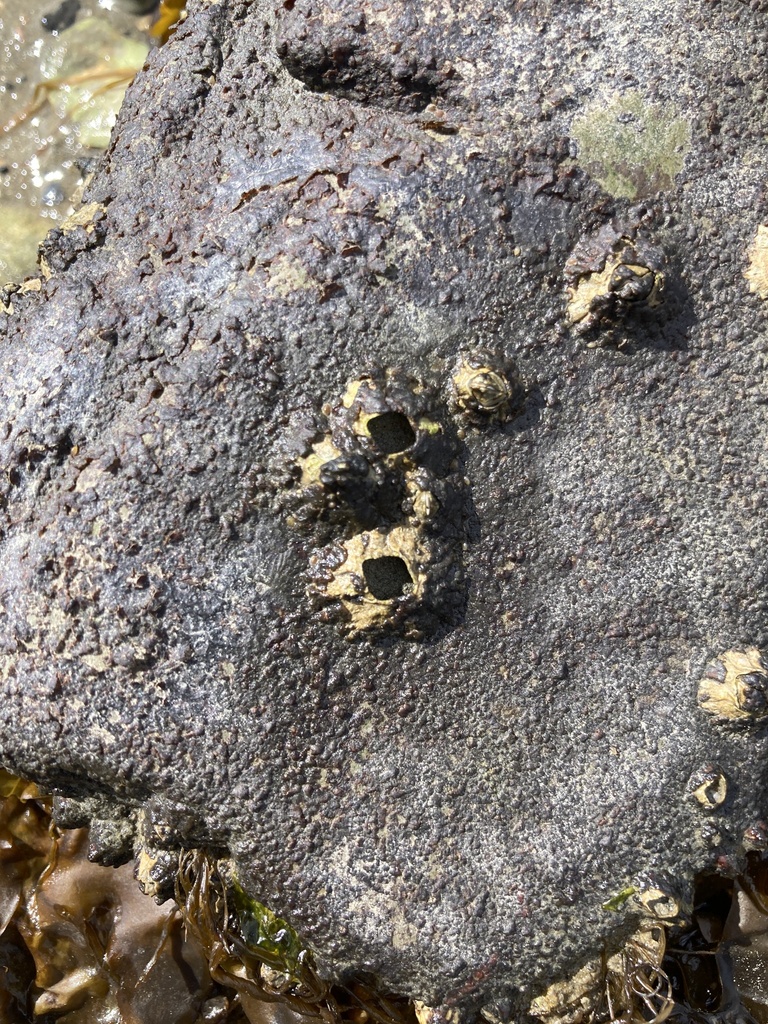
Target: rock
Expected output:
[430,678]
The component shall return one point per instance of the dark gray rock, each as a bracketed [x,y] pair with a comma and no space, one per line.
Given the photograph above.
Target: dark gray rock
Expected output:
[425,660]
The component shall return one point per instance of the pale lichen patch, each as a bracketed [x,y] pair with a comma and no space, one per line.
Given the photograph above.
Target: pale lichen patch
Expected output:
[631,147]
[288,275]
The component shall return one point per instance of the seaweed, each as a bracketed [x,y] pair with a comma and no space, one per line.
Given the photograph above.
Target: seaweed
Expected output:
[257,953]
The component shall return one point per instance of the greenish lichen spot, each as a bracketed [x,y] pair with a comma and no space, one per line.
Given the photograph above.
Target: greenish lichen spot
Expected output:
[631,147]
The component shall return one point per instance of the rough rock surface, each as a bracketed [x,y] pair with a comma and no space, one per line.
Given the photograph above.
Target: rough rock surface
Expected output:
[439,773]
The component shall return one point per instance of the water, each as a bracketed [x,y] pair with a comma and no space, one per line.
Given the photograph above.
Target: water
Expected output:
[64,65]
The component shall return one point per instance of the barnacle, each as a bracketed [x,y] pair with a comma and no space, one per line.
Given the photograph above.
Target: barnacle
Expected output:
[383,476]
[374,574]
[709,787]
[734,687]
[656,900]
[756,836]
[610,275]
[487,386]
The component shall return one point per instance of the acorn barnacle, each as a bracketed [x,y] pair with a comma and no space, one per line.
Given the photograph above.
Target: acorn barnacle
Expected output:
[658,899]
[610,275]
[487,387]
[734,687]
[709,787]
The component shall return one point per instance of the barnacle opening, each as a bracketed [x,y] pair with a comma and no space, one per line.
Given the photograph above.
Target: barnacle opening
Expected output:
[391,432]
[387,577]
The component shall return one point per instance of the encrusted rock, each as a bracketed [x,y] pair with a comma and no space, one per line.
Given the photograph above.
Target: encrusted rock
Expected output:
[268,591]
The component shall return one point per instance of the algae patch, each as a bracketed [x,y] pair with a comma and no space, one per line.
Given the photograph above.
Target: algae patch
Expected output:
[631,147]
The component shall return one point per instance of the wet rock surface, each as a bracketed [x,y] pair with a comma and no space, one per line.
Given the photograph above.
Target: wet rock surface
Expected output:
[441,766]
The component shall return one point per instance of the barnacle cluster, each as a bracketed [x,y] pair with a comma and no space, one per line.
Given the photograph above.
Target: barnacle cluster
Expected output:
[379,481]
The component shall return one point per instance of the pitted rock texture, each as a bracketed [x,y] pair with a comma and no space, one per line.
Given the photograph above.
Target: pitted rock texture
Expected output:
[302,195]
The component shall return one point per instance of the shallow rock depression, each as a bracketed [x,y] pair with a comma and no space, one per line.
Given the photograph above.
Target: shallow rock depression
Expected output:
[384,476]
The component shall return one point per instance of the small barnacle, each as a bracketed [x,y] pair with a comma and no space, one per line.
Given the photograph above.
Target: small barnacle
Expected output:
[436,1014]
[634,282]
[655,898]
[424,503]
[155,870]
[708,786]
[487,387]
[734,687]
[333,485]
[756,836]
[274,980]
[609,276]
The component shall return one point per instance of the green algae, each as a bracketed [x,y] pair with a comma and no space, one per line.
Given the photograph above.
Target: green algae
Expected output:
[268,935]
[617,902]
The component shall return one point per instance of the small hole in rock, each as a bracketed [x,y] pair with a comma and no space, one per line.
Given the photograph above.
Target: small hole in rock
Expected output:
[391,432]
[387,578]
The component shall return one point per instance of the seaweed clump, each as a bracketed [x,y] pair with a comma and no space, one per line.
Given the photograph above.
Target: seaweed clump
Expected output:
[260,956]
[79,943]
